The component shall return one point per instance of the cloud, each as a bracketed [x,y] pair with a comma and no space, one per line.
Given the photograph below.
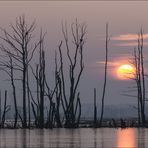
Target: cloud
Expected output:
[131,44]
[109,63]
[128,37]
[116,62]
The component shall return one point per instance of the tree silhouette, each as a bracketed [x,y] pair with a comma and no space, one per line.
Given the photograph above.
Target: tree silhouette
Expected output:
[17,46]
[105,76]
[72,102]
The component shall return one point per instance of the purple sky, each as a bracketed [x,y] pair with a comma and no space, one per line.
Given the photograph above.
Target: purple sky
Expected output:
[124,18]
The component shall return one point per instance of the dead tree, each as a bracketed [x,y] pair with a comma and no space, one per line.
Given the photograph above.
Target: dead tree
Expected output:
[42,86]
[53,117]
[95,109]
[0,109]
[18,46]
[43,90]
[40,83]
[137,74]
[71,102]
[5,110]
[9,67]
[36,104]
[140,78]
[58,93]
[40,80]
[105,76]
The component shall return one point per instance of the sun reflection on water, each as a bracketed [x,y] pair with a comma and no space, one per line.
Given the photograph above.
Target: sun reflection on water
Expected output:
[126,138]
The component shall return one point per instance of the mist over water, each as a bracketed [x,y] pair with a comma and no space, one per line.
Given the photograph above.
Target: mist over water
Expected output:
[74,138]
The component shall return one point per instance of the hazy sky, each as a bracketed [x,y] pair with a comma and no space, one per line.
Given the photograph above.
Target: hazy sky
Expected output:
[124,18]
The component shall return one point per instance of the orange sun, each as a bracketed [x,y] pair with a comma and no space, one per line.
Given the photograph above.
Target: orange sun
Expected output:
[125,72]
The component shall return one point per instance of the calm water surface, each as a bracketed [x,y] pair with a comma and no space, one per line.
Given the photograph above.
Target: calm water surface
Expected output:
[74,138]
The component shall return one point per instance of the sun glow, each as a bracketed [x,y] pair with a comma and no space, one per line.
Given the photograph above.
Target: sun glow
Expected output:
[125,72]
[126,138]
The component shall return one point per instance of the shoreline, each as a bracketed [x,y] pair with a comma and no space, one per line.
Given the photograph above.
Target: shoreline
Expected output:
[122,123]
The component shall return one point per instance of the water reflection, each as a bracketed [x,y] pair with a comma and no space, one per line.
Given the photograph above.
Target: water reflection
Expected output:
[141,138]
[15,138]
[4,135]
[41,138]
[24,140]
[126,138]
[72,138]
[95,138]
[102,139]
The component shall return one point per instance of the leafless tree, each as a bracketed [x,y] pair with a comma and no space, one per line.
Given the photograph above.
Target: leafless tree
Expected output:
[140,48]
[40,83]
[105,76]
[95,109]
[73,101]
[18,46]
[9,67]
[5,110]
[140,78]
[137,74]
[58,94]
[0,109]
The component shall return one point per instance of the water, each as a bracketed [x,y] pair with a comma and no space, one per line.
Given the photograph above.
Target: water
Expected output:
[74,138]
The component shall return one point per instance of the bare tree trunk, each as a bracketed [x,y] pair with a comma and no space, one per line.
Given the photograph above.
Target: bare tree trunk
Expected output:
[105,77]
[28,95]
[136,64]
[139,85]
[6,109]
[41,85]
[41,80]
[14,92]
[24,97]
[78,106]
[95,109]
[143,79]
[58,93]
[0,108]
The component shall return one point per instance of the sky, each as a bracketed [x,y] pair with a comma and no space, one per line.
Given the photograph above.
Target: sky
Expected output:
[125,20]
